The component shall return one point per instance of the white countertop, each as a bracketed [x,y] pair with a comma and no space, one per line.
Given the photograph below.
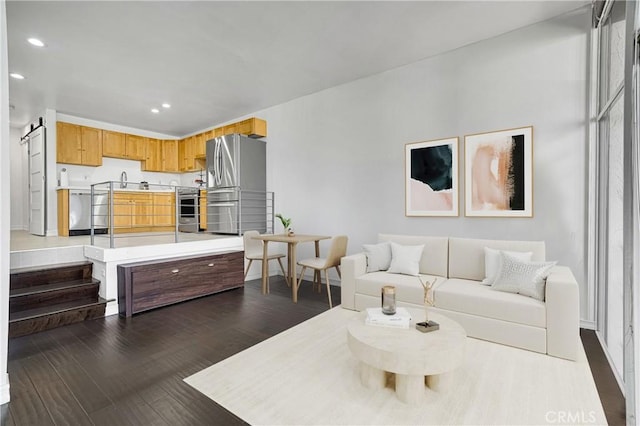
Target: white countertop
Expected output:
[101,188]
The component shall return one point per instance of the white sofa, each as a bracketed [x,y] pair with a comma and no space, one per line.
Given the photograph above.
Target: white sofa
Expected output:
[550,326]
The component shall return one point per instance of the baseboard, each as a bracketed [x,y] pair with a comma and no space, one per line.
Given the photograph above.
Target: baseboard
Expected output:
[610,361]
[258,275]
[5,395]
[589,325]
[111,309]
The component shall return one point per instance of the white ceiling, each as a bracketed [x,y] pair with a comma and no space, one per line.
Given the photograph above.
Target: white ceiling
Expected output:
[217,61]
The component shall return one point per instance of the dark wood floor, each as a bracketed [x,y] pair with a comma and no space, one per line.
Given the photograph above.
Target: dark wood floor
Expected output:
[113,371]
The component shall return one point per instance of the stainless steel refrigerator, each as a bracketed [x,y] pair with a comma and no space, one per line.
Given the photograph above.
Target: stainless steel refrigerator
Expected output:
[236,185]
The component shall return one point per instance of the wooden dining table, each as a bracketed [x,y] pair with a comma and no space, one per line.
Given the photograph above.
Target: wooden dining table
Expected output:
[292,243]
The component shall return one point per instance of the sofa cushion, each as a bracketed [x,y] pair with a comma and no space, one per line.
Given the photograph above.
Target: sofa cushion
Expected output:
[408,288]
[405,259]
[434,256]
[466,255]
[473,298]
[522,277]
[492,262]
[378,256]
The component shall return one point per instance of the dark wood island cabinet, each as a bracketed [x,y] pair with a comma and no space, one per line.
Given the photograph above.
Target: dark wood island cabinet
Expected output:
[154,283]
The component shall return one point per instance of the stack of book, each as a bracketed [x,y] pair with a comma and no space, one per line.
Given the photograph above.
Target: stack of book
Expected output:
[401,319]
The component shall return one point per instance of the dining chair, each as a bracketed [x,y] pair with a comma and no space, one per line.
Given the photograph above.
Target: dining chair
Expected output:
[253,250]
[336,252]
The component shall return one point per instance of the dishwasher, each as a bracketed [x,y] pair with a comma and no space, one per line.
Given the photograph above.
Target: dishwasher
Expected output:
[80,211]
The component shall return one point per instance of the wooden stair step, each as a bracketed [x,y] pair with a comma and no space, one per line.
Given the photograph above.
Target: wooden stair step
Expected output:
[81,291]
[41,275]
[51,309]
[51,287]
[44,318]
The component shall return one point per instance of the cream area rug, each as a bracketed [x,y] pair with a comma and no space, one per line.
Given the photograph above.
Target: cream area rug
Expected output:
[306,375]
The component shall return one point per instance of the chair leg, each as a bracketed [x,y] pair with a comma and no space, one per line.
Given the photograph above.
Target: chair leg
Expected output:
[339,273]
[300,280]
[284,273]
[247,271]
[326,276]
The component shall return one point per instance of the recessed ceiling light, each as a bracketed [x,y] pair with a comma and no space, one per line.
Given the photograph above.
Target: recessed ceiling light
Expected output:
[155,110]
[17,76]
[166,105]
[35,42]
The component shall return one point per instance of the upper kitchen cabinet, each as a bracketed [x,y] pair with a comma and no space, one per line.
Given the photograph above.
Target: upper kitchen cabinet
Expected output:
[170,156]
[252,127]
[153,161]
[200,145]
[136,147]
[124,145]
[114,144]
[186,154]
[78,144]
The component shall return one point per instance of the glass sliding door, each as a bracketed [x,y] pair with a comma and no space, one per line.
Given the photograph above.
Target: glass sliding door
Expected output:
[615,233]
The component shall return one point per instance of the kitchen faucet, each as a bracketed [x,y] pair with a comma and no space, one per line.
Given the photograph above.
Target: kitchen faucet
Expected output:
[123,180]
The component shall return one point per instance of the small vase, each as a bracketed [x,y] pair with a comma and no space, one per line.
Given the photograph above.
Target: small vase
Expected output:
[388,297]
[289,232]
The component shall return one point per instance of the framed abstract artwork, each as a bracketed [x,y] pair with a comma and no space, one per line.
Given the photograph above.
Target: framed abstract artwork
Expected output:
[498,172]
[431,178]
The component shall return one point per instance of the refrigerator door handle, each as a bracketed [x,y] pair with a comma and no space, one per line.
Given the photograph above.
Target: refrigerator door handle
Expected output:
[217,164]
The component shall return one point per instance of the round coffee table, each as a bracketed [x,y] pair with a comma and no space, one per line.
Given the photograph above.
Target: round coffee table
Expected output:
[409,353]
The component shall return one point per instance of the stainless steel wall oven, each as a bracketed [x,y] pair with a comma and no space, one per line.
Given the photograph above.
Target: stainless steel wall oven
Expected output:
[189,209]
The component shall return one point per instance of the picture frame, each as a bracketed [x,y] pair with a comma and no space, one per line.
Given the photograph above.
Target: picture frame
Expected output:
[431,178]
[498,170]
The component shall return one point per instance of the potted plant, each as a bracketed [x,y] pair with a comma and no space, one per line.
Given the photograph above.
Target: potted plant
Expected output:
[286,223]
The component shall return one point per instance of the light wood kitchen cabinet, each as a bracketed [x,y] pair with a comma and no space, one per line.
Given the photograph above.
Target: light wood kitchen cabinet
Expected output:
[114,144]
[136,147]
[230,129]
[186,151]
[91,146]
[203,209]
[199,145]
[252,127]
[142,210]
[218,131]
[164,210]
[170,156]
[63,212]
[123,145]
[153,161]
[77,144]
[132,211]
[122,209]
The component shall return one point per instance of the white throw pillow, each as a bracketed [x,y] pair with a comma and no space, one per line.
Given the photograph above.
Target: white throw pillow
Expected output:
[522,277]
[378,256]
[492,262]
[405,259]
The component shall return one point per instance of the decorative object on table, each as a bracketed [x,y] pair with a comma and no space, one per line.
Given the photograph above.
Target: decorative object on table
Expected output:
[388,299]
[400,319]
[499,173]
[431,178]
[286,223]
[427,326]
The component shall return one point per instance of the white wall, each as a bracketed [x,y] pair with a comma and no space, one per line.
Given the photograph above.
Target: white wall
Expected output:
[335,158]
[19,181]
[5,220]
